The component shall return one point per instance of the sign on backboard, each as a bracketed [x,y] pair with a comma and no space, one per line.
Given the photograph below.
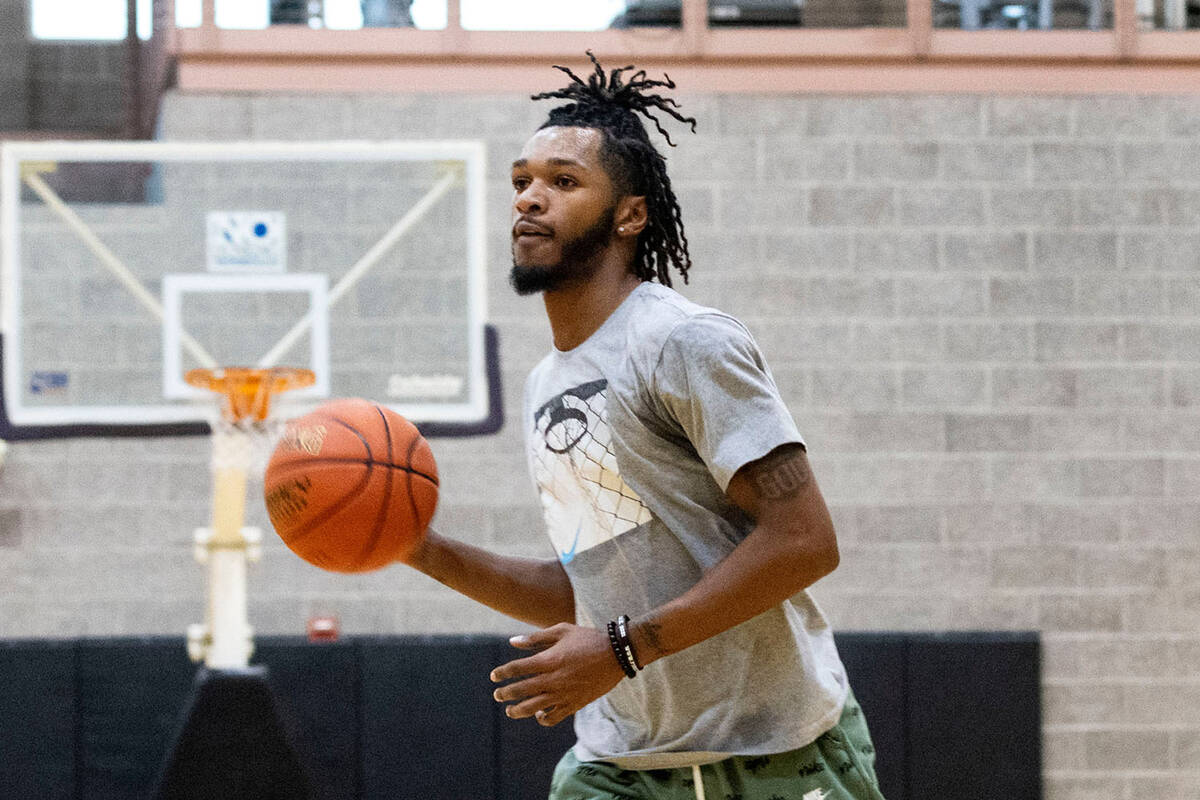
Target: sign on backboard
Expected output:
[247,241]
[125,264]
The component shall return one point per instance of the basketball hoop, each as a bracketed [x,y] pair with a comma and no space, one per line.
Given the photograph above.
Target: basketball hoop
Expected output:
[247,391]
[243,434]
[244,431]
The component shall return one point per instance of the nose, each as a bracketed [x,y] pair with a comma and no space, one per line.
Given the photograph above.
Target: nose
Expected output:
[529,200]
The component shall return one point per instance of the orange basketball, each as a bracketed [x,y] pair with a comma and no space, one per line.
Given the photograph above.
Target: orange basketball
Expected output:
[351,486]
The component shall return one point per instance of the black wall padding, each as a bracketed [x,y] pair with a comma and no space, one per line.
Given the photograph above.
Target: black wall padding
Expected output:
[412,718]
[877,665]
[428,727]
[37,720]
[974,717]
[526,753]
[130,694]
[232,743]
[317,687]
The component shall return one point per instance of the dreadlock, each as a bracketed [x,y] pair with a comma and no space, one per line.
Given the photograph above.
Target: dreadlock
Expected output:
[611,103]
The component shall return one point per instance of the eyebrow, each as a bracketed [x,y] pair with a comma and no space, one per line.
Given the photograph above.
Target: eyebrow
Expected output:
[555,162]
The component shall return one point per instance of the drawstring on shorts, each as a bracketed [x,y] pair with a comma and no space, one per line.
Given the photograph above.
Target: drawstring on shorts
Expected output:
[698,780]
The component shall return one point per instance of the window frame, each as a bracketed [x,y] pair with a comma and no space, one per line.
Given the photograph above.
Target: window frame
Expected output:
[916,57]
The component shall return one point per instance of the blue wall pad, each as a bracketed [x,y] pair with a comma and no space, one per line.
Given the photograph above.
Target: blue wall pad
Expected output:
[37,720]
[974,716]
[427,724]
[526,753]
[952,716]
[130,694]
[318,690]
[877,664]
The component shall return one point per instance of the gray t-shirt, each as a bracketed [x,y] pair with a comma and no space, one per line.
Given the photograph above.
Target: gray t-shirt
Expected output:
[632,438]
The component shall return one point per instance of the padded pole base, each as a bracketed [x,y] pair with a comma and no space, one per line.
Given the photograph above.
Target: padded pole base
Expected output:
[232,743]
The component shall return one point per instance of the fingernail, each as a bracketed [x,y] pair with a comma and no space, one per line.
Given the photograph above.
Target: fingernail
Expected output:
[516,640]
[496,695]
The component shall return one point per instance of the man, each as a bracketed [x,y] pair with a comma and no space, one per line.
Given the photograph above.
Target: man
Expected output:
[676,489]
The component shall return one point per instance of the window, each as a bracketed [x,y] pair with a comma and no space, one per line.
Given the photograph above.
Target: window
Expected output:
[332,14]
[1169,14]
[1023,15]
[237,14]
[86,20]
[541,15]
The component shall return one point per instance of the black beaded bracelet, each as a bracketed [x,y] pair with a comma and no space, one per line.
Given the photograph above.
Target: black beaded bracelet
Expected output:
[623,658]
[626,641]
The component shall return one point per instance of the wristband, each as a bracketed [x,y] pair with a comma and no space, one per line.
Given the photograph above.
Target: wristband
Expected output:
[626,641]
[623,656]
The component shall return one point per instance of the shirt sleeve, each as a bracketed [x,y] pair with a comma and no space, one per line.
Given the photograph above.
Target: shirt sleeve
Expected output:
[711,381]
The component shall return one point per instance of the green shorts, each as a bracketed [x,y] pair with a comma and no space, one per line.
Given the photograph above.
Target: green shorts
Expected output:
[839,765]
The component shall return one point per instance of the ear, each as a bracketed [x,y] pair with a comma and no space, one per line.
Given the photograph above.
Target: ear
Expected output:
[631,216]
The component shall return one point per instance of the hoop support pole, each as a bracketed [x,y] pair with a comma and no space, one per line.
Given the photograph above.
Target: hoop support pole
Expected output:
[228,640]
[225,640]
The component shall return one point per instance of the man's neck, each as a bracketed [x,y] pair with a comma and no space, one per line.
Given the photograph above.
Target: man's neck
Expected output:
[578,311]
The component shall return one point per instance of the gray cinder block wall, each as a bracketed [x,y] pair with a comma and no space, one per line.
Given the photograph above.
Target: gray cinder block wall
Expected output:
[57,86]
[14,54]
[76,86]
[981,310]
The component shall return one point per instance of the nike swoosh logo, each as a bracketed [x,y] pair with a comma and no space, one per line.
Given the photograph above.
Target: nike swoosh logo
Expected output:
[568,555]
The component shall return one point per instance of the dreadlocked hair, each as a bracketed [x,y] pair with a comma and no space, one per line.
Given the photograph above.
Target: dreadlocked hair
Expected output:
[610,103]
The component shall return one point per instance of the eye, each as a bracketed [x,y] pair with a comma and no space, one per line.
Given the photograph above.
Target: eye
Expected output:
[564,182]
[519,182]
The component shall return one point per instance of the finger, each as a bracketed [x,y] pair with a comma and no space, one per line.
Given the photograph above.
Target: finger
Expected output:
[549,717]
[521,668]
[535,640]
[518,690]
[527,708]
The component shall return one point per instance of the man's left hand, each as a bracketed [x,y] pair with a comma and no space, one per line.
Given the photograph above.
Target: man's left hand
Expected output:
[572,667]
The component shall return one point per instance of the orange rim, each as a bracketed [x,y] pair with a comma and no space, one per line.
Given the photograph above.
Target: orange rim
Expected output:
[247,391]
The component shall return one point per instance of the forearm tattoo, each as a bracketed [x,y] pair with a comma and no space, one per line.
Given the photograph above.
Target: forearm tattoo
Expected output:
[783,473]
[651,633]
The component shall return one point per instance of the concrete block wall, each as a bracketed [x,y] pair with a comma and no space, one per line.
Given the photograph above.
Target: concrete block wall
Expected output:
[14,55]
[57,86]
[981,311]
[76,85]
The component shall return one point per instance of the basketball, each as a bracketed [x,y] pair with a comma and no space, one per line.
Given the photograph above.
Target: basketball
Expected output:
[351,486]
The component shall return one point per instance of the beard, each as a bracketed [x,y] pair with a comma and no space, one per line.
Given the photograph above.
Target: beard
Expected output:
[578,261]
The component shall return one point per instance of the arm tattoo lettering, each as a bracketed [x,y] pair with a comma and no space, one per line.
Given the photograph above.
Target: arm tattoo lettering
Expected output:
[781,474]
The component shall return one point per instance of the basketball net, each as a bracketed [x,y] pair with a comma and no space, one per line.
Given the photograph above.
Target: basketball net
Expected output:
[243,435]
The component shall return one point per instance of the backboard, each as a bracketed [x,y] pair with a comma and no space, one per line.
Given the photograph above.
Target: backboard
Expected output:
[125,264]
